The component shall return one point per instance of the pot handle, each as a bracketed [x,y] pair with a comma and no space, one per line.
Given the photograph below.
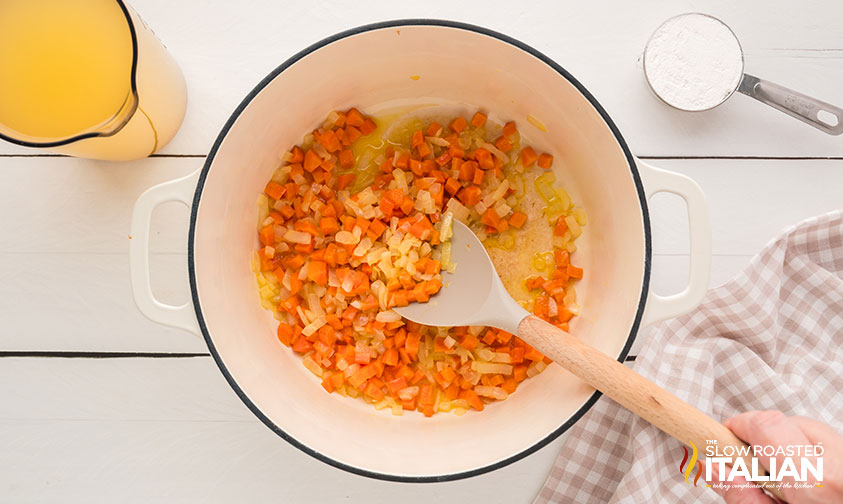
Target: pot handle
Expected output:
[663,307]
[181,190]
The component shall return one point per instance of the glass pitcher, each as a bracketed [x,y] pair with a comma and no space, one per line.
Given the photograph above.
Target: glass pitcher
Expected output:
[86,78]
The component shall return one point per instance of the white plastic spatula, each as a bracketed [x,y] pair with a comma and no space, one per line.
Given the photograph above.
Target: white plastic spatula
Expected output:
[475,295]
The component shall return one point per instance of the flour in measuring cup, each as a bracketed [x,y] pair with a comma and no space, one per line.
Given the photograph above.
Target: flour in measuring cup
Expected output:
[693,62]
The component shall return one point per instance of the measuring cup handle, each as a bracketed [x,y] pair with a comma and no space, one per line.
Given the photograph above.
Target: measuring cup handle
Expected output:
[794,104]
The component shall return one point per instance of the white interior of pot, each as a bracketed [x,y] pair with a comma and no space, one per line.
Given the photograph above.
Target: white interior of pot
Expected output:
[367,70]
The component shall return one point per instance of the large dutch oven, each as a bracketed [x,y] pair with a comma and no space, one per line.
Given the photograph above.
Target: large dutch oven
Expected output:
[367,67]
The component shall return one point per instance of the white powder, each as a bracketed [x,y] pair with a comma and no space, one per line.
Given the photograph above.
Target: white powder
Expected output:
[693,62]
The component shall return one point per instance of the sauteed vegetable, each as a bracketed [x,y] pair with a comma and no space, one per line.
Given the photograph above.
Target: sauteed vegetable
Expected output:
[357,220]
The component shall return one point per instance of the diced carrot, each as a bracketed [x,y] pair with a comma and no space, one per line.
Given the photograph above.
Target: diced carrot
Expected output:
[352,134]
[472,398]
[533,354]
[456,151]
[390,357]
[458,125]
[330,141]
[327,335]
[478,176]
[354,118]
[306,226]
[560,227]
[317,271]
[267,235]
[452,186]
[344,180]
[328,225]
[417,138]
[407,205]
[467,170]
[574,272]
[416,167]
[509,129]
[302,346]
[285,334]
[346,158]
[295,284]
[412,344]
[534,282]
[517,219]
[298,155]
[289,304]
[503,144]
[376,229]
[423,150]
[490,218]
[311,160]
[374,392]
[274,190]
[545,160]
[484,158]
[470,342]
[327,384]
[470,195]
[528,156]
[426,394]
[421,228]
[396,384]
[478,120]
[562,257]
[402,161]
[368,127]
[433,130]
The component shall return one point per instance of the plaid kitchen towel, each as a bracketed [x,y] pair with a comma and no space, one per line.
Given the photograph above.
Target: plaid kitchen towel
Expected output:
[771,338]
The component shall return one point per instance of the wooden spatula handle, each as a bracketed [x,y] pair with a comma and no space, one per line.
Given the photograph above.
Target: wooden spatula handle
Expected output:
[634,392]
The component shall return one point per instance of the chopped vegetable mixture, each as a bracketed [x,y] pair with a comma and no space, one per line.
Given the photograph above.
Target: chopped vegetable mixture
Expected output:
[346,236]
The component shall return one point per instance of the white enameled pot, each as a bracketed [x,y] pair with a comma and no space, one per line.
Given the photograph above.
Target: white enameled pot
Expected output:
[367,67]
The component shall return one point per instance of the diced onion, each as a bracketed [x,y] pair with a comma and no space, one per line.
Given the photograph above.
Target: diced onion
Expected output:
[491,368]
[388,316]
[438,141]
[314,326]
[312,366]
[299,237]
[496,152]
[346,238]
[493,392]
[459,211]
[535,122]
[502,357]
[407,393]
[573,226]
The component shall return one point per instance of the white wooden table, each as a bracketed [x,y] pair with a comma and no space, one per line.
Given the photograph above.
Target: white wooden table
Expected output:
[98,404]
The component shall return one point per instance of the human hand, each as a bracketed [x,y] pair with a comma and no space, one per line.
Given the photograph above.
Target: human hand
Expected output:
[775,429]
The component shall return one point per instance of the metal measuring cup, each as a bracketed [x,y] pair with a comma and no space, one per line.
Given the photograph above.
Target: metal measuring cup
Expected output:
[819,114]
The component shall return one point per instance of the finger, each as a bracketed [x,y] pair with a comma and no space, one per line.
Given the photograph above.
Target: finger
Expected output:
[766,428]
[814,430]
[738,492]
[715,478]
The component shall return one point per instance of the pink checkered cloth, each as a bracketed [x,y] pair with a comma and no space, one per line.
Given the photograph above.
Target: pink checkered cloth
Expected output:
[771,338]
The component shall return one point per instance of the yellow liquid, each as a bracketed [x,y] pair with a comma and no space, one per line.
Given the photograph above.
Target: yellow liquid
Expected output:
[66,70]
[65,66]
